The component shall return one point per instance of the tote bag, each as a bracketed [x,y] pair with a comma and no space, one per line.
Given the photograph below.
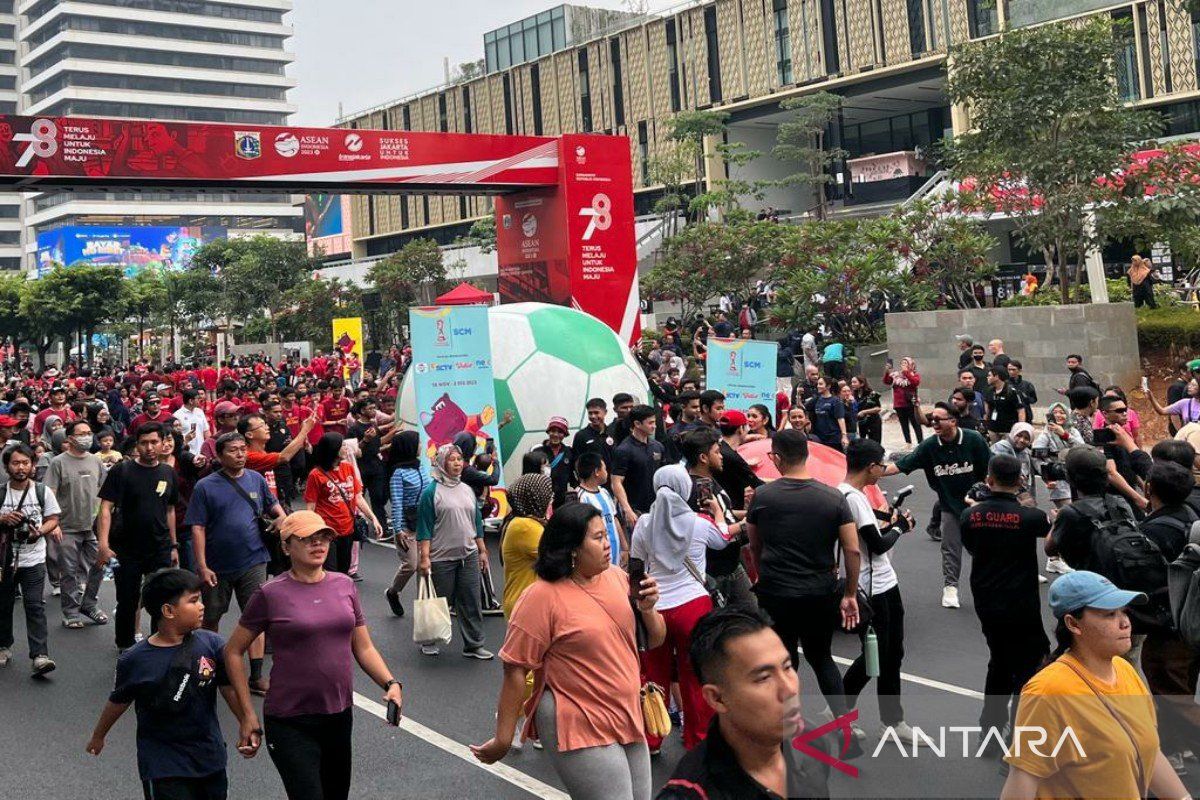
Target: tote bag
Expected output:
[431,615]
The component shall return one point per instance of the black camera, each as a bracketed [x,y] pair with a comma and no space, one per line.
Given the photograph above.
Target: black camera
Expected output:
[979,492]
[23,531]
[1053,471]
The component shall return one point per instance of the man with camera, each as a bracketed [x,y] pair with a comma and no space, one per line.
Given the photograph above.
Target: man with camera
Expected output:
[227,513]
[28,515]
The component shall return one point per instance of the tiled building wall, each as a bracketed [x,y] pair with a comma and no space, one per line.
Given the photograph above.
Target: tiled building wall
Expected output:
[870,34]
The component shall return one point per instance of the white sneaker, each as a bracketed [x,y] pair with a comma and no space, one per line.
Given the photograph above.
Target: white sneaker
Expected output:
[1057,565]
[950,597]
[858,731]
[55,591]
[1043,579]
[517,744]
[43,665]
[5,656]
[430,650]
[902,730]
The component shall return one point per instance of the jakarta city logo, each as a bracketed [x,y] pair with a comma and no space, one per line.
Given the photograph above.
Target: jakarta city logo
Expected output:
[247,144]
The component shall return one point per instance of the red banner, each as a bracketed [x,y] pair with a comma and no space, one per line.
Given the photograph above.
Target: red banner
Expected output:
[77,151]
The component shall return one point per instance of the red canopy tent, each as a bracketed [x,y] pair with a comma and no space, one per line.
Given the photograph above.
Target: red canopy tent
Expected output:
[465,295]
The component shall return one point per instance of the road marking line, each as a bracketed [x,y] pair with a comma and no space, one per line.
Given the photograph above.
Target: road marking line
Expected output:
[501,770]
[930,682]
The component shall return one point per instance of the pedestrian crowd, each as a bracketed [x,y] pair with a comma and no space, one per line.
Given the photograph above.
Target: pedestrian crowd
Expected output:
[653,575]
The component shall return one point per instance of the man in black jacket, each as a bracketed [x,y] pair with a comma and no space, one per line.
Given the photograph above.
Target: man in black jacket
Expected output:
[1002,537]
[746,677]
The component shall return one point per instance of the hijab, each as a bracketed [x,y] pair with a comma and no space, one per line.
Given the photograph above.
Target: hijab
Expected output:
[530,495]
[439,465]
[1069,424]
[47,436]
[670,521]
[405,449]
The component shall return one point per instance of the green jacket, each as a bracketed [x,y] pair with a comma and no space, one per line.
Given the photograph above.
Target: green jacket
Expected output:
[951,468]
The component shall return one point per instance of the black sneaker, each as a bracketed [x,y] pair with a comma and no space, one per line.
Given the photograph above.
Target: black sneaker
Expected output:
[356,578]
[393,599]
[935,533]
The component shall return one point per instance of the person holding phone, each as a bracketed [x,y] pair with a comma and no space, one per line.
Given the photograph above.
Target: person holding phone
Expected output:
[316,627]
[575,629]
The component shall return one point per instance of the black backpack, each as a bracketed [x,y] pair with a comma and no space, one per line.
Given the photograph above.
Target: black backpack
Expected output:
[1124,555]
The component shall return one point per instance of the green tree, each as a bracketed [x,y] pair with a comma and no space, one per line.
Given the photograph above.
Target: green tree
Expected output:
[192,298]
[801,141]
[255,274]
[946,254]
[313,304]
[1047,126]
[145,297]
[482,234]
[708,259]
[47,317]
[690,129]
[414,275]
[671,169]
[13,324]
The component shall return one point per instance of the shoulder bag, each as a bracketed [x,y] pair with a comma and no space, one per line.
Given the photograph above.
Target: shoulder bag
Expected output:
[1143,786]
[361,529]
[266,524]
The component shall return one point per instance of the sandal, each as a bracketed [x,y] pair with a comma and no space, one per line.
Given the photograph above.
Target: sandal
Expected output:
[73,624]
[97,616]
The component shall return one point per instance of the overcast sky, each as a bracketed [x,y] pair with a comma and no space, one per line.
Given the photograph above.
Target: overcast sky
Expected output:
[362,53]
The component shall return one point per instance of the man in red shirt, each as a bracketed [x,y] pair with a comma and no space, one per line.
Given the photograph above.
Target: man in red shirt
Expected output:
[257,433]
[208,377]
[58,408]
[335,408]
[152,411]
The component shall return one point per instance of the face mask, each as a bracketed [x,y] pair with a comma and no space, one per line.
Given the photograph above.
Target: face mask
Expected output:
[82,442]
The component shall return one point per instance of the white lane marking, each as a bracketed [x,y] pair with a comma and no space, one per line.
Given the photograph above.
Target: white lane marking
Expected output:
[448,745]
[930,682]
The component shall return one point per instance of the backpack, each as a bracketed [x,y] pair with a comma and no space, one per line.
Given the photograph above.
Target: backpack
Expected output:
[1183,582]
[1124,555]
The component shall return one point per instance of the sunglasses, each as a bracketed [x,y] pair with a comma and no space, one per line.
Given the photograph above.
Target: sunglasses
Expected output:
[938,420]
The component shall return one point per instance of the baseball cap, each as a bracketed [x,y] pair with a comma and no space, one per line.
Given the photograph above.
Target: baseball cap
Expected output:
[732,419]
[8,422]
[151,398]
[1083,589]
[558,422]
[225,407]
[1194,365]
[303,524]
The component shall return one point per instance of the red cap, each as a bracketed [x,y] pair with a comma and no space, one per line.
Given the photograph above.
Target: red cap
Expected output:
[226,407]
[732,418]
[8,422]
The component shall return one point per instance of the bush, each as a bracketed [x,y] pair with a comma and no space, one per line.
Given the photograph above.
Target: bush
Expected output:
[1118,292]
[1175,329]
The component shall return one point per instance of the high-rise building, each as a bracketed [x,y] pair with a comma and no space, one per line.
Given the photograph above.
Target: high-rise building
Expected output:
[10,204]
[194,60]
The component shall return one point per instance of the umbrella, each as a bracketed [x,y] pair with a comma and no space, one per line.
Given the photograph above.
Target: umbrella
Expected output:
[824,464]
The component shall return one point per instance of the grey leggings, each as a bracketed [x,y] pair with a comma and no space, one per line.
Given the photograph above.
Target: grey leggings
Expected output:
[611,772]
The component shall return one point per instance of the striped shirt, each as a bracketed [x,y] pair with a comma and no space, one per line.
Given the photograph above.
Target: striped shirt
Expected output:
[603,502]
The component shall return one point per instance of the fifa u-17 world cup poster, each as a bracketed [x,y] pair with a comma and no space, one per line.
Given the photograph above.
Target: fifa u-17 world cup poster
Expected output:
[743,370]
[348,335]
[452,367]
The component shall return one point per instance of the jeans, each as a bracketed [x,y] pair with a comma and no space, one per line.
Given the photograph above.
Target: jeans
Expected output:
[312,754]
[128,577]
[210,787]
[1017,647]
[458,582]
[809,622]
[908,418]
[888,623]
[32,581]
[81,577]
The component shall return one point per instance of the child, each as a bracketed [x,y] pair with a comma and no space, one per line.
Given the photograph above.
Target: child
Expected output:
[592,473]
[173,678]
[109,456]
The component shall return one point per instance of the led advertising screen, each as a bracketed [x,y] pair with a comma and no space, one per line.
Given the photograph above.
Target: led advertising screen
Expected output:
[131,248]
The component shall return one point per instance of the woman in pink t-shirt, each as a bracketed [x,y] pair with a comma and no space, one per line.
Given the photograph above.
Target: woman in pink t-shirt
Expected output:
[574,627]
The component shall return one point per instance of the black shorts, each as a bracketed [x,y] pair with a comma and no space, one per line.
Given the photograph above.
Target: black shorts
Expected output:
[210,787]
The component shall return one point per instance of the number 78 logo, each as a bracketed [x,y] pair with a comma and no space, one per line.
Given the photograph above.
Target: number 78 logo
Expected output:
[600,212]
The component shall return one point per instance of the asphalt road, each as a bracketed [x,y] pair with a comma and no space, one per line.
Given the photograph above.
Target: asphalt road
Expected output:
[450,702]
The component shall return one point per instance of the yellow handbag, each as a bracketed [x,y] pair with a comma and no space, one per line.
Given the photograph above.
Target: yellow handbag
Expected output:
[654,711]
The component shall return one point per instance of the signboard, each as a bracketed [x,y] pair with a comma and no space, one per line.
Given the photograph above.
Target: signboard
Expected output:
[348,335]
[884,167]
[327,224]
[132,248]
[575,244]
[452,371]
[48,151]
[743,370]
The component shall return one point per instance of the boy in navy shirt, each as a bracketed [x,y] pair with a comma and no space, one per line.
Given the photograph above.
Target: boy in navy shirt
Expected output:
[172,679]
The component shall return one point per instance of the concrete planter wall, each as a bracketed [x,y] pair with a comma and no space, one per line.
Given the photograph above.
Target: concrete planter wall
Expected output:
[1039,337]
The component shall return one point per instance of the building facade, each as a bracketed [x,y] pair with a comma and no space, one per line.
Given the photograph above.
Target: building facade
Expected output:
[886,58]
[10,203]
[194,60]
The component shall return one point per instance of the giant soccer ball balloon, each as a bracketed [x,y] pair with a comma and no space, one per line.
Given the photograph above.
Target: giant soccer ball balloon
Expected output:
[548,361]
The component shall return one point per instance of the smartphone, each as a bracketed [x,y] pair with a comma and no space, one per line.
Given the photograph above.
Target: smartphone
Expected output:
[393,714]
[1103,436]
[637,574]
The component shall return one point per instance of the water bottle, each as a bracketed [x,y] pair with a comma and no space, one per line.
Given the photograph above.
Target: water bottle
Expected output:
[871,653]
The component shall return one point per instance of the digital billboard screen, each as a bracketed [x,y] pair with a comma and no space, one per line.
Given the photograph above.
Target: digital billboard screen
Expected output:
[132,248]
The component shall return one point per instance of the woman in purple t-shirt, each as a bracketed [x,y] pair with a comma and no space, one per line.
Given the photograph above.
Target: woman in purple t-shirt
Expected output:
[317,629]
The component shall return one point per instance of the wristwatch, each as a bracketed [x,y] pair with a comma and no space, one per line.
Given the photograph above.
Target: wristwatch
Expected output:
[392,682]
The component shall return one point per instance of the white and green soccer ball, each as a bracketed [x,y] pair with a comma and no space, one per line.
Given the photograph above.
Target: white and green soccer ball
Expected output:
[548,361]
